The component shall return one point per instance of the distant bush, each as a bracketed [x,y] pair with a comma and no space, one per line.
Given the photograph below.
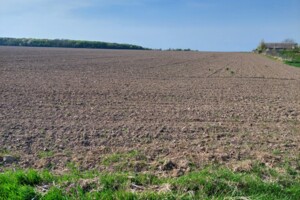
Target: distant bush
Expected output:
[29,42]
[179,49]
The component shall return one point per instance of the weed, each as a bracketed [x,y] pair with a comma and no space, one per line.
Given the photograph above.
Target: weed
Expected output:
[3,151]
[122,157]
[276,152]
[45,154]
[125,130]
[113,158]
[43,131]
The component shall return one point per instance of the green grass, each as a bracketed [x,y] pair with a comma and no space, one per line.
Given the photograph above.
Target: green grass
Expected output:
[292,57]
[293,63]
[210,183]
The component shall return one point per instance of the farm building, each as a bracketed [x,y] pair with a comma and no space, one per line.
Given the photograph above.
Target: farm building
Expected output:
[280,46]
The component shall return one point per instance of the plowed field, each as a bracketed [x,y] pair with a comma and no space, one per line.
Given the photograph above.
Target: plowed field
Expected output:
[100,108]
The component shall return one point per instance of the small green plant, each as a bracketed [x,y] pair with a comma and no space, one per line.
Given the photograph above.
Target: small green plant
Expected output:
[3,152]
[125,130]
[45,154]
[276,152]
[113,158]
[121,157]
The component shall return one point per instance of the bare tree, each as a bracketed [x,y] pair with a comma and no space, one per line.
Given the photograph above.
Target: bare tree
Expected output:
[261,47]
[289,40]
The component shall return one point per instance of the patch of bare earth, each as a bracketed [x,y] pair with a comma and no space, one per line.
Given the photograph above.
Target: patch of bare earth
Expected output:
[60,106]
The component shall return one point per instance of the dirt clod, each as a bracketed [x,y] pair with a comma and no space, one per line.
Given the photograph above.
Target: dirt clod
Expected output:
[168,165]
[8,159]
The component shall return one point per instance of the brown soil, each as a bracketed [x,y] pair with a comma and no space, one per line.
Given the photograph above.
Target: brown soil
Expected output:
[60,106]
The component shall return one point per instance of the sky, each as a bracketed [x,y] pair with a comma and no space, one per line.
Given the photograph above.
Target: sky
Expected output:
[205,25]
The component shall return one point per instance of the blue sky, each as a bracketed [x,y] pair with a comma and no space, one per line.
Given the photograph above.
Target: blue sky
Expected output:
[208,25]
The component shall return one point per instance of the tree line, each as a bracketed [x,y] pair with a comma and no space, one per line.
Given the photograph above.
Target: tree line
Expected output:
[31,42]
